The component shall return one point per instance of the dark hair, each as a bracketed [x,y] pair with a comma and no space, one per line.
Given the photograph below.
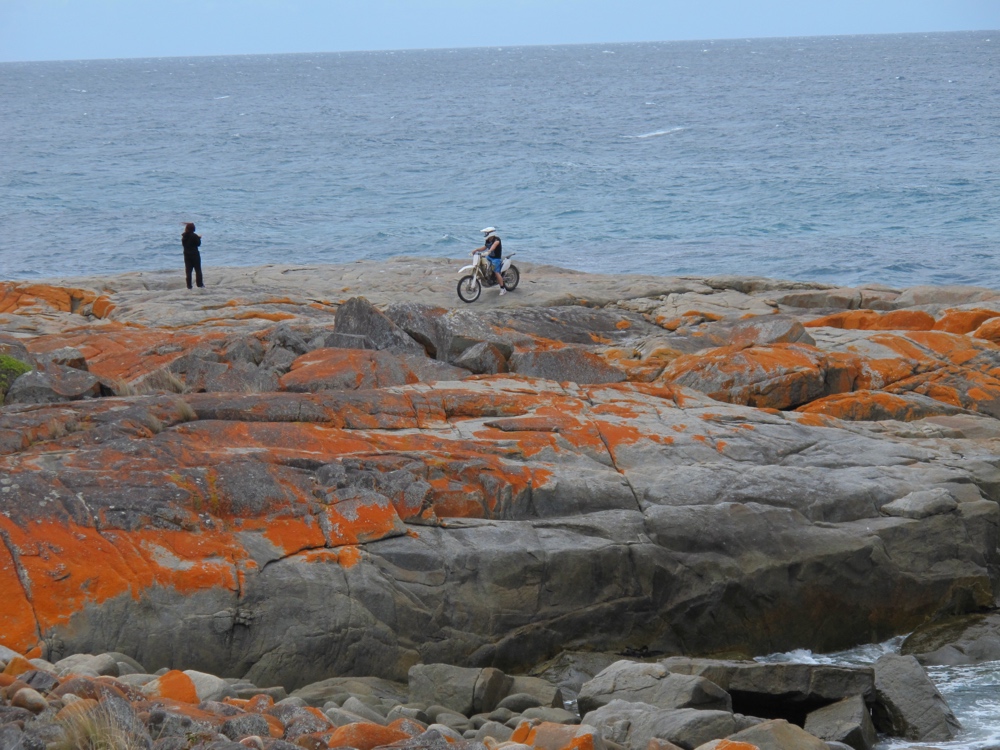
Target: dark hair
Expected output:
[189,228]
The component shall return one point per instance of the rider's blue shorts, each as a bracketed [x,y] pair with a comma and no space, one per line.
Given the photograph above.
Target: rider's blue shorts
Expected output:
[497,263]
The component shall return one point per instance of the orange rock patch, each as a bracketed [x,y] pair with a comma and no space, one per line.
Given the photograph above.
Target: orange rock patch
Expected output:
[870,320]
[964,321]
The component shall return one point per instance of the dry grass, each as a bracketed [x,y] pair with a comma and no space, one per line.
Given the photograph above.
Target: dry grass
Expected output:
[98,728]
[159,381]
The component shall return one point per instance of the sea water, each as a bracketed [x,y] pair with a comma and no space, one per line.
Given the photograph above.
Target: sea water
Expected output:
[838,159]
[972,692]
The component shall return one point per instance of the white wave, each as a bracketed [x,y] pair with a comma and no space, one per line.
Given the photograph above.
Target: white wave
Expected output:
[655,133]
[221,97]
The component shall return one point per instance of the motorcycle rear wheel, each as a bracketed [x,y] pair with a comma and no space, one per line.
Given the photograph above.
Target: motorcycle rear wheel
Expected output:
[511,277]
[469,288]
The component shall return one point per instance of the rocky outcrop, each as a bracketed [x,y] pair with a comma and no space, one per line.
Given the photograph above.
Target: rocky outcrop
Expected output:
[290,486]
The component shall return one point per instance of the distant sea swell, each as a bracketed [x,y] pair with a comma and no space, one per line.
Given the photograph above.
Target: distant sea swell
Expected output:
[839,159]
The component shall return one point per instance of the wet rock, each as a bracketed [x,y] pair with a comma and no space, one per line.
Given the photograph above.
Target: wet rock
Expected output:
[967,639]
[908,705]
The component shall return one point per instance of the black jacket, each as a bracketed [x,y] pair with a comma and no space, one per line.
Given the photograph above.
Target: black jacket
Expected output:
[191,243]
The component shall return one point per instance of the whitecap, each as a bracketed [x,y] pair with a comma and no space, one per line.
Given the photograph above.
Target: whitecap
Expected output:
[655,133]
[221,97]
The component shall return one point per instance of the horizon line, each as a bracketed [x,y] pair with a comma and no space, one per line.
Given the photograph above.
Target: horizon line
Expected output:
[502,46]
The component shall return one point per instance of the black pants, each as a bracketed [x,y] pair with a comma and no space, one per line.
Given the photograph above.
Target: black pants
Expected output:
[192,261]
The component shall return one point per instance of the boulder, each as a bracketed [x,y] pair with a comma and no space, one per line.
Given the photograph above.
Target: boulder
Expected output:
[779,376]
[359,317]
[921,504]
[209,687]
[964,639]
[319,693]
[653,684]
[845,298]
[566,364]
[56,383]
[66,356]
[908,705]
[848,721]
[347,341]
[482,359]
[462,689]
[633,725]
[778,734]
[543,691]
[798,687]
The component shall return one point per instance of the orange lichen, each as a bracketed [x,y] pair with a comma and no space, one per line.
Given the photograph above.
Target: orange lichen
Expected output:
[348,557]
[815,420]
[870,320]
[964,321]
[174,685]
[365,736]
[293,534]
[18,666]
[621,325]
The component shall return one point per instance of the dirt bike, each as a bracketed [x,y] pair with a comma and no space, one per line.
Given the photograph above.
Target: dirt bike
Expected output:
[471,285]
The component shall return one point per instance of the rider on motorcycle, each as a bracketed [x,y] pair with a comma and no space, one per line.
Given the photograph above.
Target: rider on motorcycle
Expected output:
[494,246]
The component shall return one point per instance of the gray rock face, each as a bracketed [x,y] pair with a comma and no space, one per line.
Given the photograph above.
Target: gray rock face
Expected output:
[359,317]
[921,504]
[846,721]
[633,725]
[570,364]
[464,690]
[64,357]
[967,639]
[653,684]
[908,704]
[482,359]
[541,690]
[753,684]
[52,385]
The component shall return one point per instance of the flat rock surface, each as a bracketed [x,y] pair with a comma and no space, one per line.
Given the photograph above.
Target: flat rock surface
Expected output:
[692,466]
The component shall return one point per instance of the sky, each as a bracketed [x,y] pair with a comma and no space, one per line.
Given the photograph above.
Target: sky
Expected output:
[89,29]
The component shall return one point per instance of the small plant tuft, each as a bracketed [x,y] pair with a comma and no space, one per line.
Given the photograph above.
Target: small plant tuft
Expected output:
[98,728]
[159,381]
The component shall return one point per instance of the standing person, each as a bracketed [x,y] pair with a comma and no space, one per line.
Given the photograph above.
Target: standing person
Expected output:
[192,257]
[494,255]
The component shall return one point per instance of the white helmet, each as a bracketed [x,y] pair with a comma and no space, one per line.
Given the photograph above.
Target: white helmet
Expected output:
[488,231]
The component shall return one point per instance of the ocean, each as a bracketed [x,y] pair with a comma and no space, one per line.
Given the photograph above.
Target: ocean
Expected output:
[837,159]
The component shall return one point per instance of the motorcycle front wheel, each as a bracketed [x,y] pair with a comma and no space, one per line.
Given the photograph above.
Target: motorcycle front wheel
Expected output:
[510,278]
[469,288]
